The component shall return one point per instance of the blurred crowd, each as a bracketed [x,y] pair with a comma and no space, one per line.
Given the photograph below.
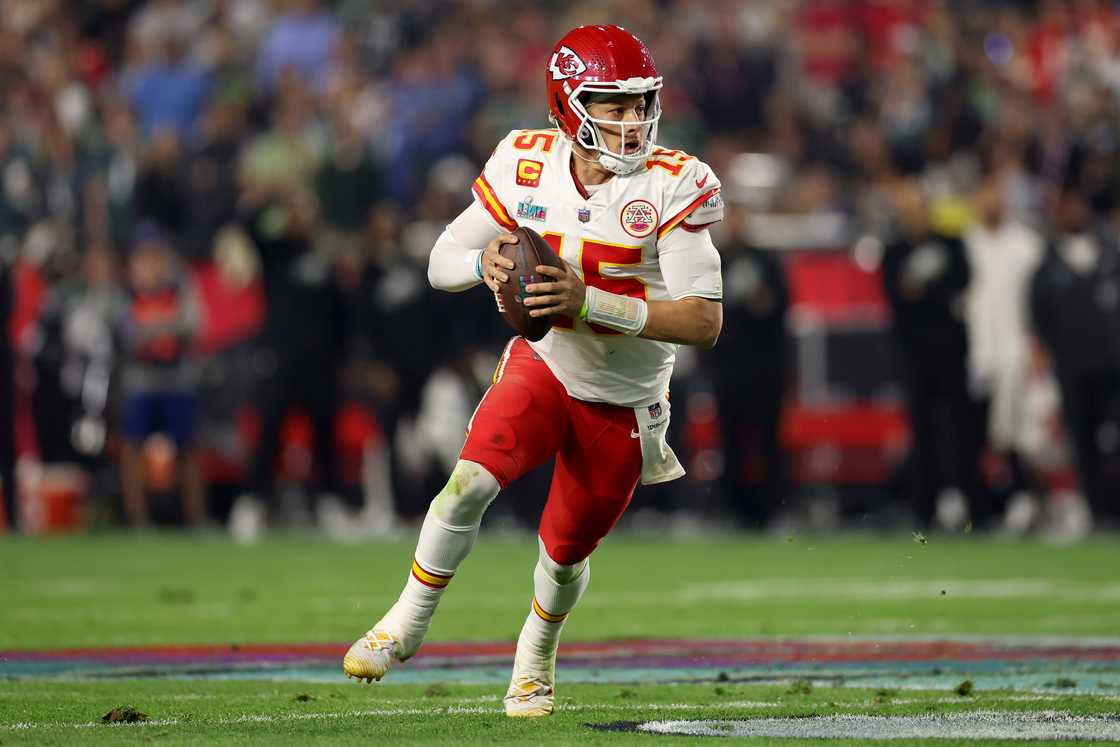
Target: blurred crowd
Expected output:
[215,217]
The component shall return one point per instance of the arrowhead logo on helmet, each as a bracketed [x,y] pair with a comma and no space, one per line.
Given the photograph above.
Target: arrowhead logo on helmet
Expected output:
[598,60]
[565,63]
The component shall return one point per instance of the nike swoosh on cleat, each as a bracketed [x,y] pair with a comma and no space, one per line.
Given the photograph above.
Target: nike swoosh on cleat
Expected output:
[701,182]
[635,434]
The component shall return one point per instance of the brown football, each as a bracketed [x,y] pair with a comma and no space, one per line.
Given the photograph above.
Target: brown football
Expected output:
[530,250]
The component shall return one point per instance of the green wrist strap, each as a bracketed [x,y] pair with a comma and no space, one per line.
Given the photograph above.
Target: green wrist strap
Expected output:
[583,310]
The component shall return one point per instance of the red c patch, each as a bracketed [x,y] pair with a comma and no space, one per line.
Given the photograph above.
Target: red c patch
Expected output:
[529,172]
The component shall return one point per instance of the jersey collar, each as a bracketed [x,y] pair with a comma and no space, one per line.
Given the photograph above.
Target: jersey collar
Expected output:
[575,179]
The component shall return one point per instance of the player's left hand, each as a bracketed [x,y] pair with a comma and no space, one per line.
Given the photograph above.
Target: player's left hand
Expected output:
[564,294]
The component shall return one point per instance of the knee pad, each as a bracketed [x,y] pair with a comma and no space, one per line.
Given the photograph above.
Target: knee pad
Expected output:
[561,574]
[465,497]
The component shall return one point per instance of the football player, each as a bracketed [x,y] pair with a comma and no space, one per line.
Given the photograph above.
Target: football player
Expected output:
[642,276]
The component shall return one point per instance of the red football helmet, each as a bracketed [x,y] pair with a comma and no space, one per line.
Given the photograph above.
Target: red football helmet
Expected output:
[602,59]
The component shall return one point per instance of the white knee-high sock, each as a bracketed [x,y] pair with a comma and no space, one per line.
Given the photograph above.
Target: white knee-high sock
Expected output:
[556,590]
[446,538]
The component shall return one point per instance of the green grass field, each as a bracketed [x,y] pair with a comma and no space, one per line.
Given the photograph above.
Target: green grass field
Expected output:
[121,590]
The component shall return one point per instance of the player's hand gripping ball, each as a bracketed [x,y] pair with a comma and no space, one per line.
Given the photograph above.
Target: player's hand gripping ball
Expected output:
[510,265]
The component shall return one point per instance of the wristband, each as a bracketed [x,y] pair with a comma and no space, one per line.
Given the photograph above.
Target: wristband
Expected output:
[583,309]
[622,313]
[478,265]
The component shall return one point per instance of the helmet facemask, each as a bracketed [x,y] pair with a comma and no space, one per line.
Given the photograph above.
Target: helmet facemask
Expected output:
[589,136]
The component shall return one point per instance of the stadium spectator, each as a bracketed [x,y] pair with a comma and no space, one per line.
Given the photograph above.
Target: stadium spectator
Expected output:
[432,94]
[7,399]
[749,371]
[1003,255]
[1075,305]
[925,275]
[20,196]
[734,79]
[160,378]
[159,20]
[347,184]
[394,316]
[169,91]
[303,340]
[63,182]
[160,194]
[74,352]
[302,41]
[118,158]
[210,178]
[287,155]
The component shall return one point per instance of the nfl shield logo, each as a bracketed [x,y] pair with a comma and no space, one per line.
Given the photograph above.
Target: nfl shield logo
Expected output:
[584,215]
[655,410]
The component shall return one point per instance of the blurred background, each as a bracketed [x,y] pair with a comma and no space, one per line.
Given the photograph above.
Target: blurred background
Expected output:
[215,217]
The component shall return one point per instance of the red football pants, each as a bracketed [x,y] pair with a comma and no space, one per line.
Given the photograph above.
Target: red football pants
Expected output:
[526,417]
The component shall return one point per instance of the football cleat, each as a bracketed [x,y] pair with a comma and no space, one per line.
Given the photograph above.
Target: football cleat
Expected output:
[530,694]
[371,656]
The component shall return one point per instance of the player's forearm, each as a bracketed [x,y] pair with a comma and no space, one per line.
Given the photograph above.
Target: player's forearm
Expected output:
[689,321]
[451,266]
[453,263]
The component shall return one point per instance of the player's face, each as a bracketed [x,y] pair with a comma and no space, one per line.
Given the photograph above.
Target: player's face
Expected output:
[627,110]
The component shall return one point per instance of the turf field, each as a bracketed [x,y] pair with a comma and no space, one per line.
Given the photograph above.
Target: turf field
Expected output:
[968,637]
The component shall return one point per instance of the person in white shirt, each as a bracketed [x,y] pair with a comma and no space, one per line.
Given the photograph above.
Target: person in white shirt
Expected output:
[1003,255]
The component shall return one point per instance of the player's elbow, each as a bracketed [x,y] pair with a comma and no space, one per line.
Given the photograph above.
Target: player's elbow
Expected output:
[434,279]
[710,315]
[710,336]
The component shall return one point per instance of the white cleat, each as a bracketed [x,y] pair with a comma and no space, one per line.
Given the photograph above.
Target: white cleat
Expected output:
[371,656]
[530,694]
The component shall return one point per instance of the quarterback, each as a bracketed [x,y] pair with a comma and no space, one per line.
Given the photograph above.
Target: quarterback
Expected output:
[642,276]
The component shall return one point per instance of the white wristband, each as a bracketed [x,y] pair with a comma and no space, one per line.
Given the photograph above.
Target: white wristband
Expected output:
[623,313]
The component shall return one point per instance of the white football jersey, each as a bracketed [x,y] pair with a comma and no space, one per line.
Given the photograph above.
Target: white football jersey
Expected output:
[610,235]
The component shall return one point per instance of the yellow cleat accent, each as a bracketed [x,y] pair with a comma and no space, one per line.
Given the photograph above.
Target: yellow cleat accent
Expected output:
[371,656]
[530,696]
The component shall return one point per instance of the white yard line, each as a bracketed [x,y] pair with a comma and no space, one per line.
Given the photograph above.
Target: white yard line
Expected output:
[970,725]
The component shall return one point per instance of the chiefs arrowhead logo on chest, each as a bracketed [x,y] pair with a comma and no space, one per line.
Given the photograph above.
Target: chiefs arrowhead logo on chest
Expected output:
[565,63]
[639,218]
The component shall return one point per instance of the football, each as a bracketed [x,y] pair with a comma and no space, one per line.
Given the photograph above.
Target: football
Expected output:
[530,250]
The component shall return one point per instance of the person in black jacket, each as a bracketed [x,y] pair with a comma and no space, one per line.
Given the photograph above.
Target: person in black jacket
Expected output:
[7,403]
[302,345]
[748,370]
[925,274]
[1075,306]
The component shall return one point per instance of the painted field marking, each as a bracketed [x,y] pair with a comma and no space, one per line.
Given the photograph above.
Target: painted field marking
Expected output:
[973,725]
[1025,664]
